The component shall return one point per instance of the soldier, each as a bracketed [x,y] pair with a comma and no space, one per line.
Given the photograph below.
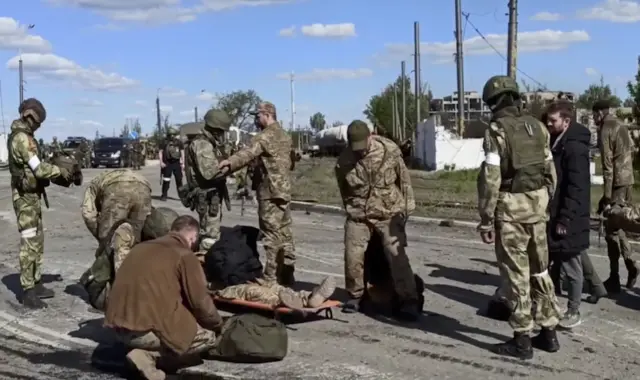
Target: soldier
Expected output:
[270,149]
[29,177]
[515,184]
[56,147]
[136,154]
[85,151]
[204,187]
[171,161]
[380,204]
[115,195]
[616,152]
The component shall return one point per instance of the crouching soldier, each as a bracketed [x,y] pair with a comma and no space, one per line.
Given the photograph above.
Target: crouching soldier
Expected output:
[376,204]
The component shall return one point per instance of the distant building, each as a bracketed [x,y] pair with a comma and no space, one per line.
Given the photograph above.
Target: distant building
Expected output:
[547,97]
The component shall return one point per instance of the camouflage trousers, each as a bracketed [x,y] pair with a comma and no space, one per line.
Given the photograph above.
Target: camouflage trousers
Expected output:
[123,240]
[268,294]
[29,219]
[124,200]
[149,341]
[209,217]
[274,218]
[523,259]
[625,218]
[356,240]
[617,241]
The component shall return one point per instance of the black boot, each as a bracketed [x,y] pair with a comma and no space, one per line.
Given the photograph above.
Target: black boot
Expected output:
[30,300]
[597,292]
[519,347]
[165,190]
[498,310]
[612,284]
[43,292]
[546,340]
[633,273]
[286,277]
[351,306]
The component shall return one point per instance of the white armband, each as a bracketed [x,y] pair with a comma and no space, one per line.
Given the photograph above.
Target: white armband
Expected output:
[492,159]
[34,162]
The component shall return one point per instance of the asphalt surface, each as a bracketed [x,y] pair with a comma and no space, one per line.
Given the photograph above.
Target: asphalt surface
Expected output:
[449,342]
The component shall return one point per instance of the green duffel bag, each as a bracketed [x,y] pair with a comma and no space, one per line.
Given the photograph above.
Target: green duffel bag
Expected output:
[251,338]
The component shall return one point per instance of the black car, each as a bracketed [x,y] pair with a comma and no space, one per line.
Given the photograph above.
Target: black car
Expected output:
[110,152]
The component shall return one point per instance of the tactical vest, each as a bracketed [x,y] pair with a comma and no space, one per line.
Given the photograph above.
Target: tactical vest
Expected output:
[172,151]
[98,278]
[19,172]
[524,168]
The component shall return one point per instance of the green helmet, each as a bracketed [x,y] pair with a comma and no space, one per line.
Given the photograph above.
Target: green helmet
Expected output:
[158,223]
[217,119]
[71,165]
[171,131]
[498,85]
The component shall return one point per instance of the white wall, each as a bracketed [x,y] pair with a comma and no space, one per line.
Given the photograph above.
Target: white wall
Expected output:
[4,155]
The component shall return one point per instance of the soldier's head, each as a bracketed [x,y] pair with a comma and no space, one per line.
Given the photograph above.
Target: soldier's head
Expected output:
[217,122]
[172,133]
[359,137]
[600,109]
[158,223]
[558,116]
[500,91]
[265,115]
[188,228]
[41,142]
[32,112]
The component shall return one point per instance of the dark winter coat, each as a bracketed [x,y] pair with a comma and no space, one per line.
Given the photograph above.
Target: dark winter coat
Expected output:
[571,204]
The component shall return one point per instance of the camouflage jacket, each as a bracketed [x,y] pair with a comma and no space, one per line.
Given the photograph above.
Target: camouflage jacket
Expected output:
[624,217]
[378,186]
[201,158]
[271,149]
[25,164]
[616,152]
[100,187]
[493,204]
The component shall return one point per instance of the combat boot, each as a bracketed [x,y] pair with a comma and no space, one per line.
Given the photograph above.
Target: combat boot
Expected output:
[322,292]
[546,340]
[30,300]
[632,269]
[285,277]
[43,292]
[351,306]
[596,293]
[519,346]
[612,284]
[145,363]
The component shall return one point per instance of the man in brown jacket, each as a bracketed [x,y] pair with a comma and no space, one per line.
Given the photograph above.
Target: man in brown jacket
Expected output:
[159,304]
[616,151]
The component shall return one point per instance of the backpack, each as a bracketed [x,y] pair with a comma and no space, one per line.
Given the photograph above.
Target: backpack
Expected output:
[234,258]
[251,338]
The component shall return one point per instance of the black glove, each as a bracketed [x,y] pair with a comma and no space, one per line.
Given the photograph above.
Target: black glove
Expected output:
[604,202]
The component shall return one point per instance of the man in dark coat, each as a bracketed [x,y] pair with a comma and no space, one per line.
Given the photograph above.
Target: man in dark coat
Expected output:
[569,210]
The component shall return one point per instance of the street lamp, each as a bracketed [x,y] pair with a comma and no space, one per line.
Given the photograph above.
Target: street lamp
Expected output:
[20,68]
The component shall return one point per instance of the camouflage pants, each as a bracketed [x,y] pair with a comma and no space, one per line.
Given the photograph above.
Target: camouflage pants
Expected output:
[274,218]
[625,218]
[149,341]
[123,240]
[523,259]
[136,160]
[124,200]
[268,294]
[209,215]
[356,239]
[29,219]
[617,241]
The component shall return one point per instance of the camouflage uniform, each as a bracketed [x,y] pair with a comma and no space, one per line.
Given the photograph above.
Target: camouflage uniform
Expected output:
[56,147]
[378,197]
[515,183]
[171,161]
[616,151]
[85,152]
[136,155]
[625,217]
[272,180]
[29,177]
[113,196]
[205,187]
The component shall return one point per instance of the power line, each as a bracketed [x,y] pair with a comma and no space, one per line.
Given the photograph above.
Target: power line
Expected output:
[466,16]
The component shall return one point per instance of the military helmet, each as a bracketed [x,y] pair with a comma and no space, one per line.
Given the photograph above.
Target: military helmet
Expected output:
[70,164]
[171,131]
[34,108]
[158,223]
[217,119]
[498,85]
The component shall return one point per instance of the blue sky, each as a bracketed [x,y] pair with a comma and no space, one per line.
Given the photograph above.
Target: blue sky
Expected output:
[95,63]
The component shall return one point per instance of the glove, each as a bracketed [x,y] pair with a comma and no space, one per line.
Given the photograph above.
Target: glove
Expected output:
[604,202]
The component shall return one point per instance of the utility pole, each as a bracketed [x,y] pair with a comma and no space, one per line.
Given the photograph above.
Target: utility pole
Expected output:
[403,97]
[394,120]
[512,42]
[460,68]
[293,103]
[158,117]
[418,84]
[21,79]
[195,111]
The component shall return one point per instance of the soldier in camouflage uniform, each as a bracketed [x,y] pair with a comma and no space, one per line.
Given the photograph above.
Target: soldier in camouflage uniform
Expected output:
[376,203]
[116,195]
[56,147]
[171,161]
[204,187]
[270,148]
[29,177]
[515,184]
[136,154]
[616,152]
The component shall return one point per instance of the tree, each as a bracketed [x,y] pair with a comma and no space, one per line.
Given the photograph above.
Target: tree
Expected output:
[595,92]
[238,104]
[136,127]
[634,92]
[124,132]
[337,123]
[629,103]
[131,125]
[317,122]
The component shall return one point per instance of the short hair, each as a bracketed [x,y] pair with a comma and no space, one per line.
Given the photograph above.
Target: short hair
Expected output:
[185,222]
[564,107]
[601,105]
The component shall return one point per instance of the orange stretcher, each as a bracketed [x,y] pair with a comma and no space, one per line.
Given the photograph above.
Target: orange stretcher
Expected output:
[281,311]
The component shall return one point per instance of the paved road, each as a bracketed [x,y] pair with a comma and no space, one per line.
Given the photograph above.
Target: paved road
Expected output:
[449,342]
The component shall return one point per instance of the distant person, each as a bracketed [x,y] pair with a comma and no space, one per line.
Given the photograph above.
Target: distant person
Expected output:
[171,161]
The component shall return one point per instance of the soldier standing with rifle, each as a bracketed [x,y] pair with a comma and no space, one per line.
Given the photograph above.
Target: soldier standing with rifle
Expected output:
[171,161]
[29,177]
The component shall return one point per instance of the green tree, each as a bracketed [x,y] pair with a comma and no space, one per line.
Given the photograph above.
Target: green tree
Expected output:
[629,103]
[595,92]
[634,92]
[238,104]
[317,122]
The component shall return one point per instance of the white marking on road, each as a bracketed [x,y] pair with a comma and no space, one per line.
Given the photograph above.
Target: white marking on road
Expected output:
[10,319]
[315,258]
[31,337]
[319,272]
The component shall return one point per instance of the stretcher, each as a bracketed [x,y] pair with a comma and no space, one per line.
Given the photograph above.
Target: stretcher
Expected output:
[281,311]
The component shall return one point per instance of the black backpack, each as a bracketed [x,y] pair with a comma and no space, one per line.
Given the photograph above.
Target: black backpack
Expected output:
[234,258]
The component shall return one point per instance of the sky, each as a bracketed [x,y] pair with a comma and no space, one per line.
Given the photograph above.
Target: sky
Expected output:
[96,63]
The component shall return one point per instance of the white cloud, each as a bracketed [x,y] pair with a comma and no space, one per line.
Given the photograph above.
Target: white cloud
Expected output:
[14,36]
[187,113]
[329,74]
[91,123]
[591,72]
[287,32]
[54,67]
[141,103]
[165,109]
[546,16]
[205,96]
[329,30]
[528,42]
[622,11]
[88,103]
[172,92]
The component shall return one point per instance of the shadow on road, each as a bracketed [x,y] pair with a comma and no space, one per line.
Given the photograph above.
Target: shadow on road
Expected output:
[467,276]
[12,282]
